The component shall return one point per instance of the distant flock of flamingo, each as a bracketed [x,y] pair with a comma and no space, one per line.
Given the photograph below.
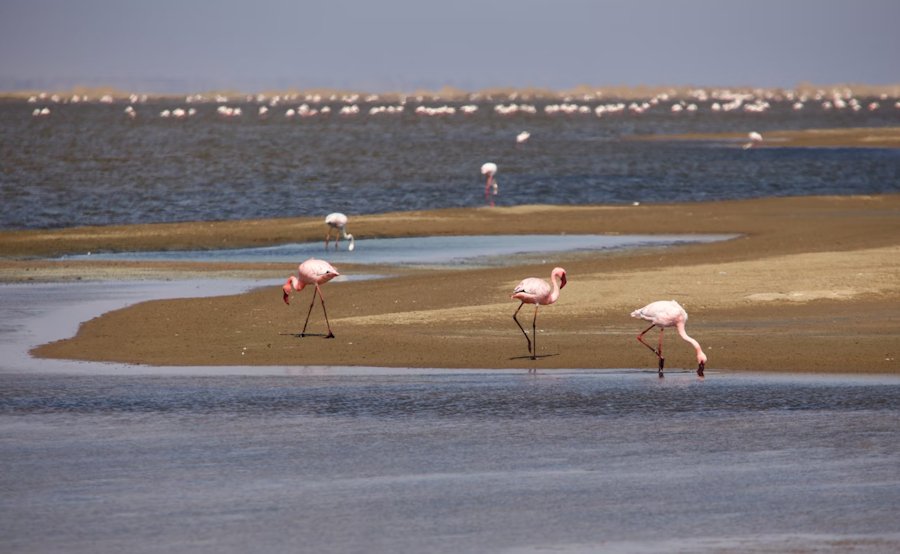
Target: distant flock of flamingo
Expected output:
[716,100]
[532,290]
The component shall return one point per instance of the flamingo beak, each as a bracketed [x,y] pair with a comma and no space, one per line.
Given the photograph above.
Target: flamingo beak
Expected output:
[700,369]
[287,298]
[562,281]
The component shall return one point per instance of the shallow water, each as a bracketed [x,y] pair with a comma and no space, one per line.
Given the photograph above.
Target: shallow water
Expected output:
[90,164]
[474,250]
[455,461]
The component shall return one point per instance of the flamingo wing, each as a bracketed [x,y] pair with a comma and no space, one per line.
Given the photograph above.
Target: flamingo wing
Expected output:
[664,313]
[532,290]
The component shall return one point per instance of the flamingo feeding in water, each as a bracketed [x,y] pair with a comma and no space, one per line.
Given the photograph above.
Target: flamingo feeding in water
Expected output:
[538,292]
[311,272]
[337,222]
[491,187]
[668,313]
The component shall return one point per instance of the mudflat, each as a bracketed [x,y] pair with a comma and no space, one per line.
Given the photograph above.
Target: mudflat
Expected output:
[810,284]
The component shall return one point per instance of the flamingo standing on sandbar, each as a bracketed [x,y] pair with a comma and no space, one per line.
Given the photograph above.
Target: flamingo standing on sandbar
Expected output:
[337,222]
[663,314]
[491,187]
[538,292]
[311,272]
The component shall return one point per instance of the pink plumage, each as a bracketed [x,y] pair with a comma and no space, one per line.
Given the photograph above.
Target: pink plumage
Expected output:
[311,272]
[540,293]
[664,314]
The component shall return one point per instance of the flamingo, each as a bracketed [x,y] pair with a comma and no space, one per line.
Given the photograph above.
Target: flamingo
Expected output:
[538,292]
[491,185]
[755,138]
[523,137]
[311,272]
[338,222]
[668,313]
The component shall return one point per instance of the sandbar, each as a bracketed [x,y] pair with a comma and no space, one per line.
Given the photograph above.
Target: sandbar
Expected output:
[811,284]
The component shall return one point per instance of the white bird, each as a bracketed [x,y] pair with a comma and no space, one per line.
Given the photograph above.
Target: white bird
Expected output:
[523,137]
[491,187]
[755,139]
[337,222]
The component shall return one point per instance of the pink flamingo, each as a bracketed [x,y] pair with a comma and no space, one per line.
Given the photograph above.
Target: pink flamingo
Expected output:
[538,292]
[311,272]
[491,188]
[668,313]
[337,222]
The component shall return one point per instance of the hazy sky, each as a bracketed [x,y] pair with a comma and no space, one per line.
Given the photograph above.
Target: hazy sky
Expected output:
[384,45]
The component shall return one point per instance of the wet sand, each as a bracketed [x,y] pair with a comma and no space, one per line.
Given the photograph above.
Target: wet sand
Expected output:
[812,284]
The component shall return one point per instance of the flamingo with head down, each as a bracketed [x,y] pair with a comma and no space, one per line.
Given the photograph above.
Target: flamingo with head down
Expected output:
[337,222]
[663,314]
[491,187]
[311,272]
[540,293]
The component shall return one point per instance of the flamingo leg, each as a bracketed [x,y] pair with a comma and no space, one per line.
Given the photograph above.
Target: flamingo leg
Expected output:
[662,360]
[322,298]
[657,351]
[522,328]
[327,238]
[487,192]
[534,333]
[303,332]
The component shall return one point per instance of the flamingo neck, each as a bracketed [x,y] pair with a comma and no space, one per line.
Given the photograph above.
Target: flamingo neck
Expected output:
[296,283]
[701,357]
[554,294]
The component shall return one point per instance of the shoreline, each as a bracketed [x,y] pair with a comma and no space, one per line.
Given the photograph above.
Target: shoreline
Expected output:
[811,285]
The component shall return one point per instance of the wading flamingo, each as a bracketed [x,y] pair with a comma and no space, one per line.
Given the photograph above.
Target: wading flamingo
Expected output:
[491,188]
[755,139]
[668,313]
[311,272]
[538,292]
[337,222]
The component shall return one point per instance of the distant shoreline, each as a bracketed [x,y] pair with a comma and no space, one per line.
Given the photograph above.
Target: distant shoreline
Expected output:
[95,93]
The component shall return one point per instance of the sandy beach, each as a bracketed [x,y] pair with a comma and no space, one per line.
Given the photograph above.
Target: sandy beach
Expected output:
[811,284]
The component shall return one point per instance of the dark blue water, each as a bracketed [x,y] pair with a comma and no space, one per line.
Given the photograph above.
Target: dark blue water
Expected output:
[449,462]
[90,164]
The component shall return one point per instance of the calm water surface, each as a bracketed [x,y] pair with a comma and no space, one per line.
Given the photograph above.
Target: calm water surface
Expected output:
[450,461]
[90,164]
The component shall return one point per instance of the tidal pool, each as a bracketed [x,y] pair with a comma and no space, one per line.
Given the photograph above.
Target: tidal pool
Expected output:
[478,250]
